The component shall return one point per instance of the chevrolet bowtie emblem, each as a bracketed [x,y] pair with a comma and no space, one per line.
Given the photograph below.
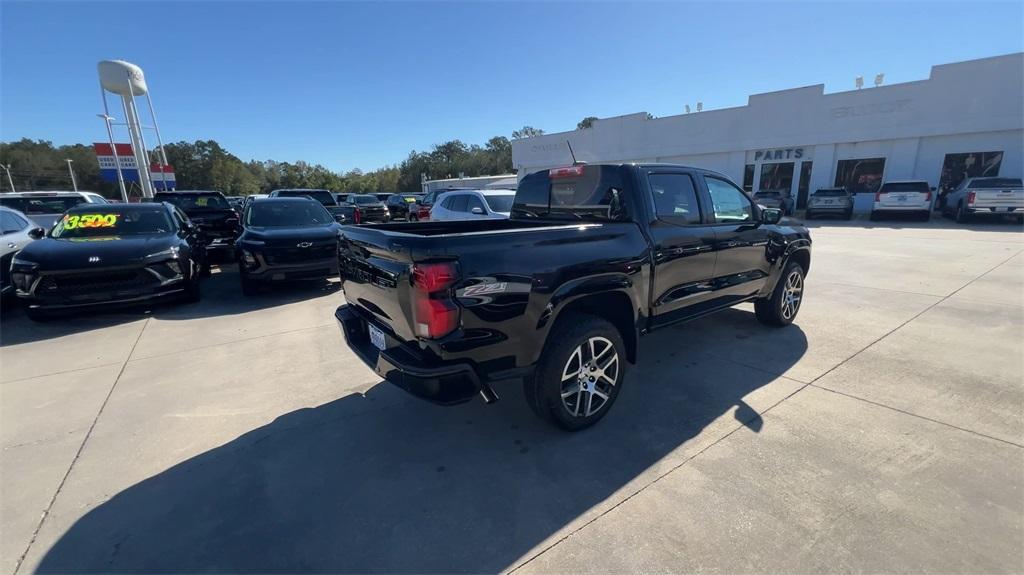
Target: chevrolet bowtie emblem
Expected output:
[304,244]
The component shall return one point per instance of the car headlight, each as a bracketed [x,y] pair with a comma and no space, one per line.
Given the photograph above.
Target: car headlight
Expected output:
[171,252]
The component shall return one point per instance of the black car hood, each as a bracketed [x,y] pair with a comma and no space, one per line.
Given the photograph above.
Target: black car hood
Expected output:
[278,235]
[59,254]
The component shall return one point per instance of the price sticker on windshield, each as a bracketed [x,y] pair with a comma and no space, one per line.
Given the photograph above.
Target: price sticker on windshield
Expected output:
[72,222]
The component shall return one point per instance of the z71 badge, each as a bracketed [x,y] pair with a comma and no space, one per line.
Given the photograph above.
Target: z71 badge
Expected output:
[484,289]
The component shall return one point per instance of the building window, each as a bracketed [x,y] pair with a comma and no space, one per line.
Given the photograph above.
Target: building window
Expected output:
[957,167]
[860,176]
[804,185]
[777,178]
[748,178]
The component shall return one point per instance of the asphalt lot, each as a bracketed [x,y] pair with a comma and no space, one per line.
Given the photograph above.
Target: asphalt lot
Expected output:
[883,432]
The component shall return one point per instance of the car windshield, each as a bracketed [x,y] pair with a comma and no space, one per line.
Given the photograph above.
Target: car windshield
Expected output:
[830,193]
[904,187]
[42,205]
[272,214]
[323,196]
[500,203]
[990,183]
[110,222]
[575,192]
[363,199]
[195,201]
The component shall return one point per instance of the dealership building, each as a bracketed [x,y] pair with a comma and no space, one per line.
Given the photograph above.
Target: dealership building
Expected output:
[966,119]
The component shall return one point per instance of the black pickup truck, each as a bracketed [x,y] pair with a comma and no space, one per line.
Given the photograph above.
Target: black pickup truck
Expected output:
[593,257]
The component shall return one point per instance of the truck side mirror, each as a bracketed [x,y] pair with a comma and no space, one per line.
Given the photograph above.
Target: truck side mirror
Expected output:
[771,215]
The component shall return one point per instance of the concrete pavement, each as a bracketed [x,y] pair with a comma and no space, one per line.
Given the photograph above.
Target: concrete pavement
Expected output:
[882,432]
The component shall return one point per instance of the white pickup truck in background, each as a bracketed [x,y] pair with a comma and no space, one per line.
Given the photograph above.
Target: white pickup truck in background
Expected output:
[992,197]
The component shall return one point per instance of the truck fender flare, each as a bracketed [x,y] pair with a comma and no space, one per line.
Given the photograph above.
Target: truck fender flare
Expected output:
[792,248]
[613,284]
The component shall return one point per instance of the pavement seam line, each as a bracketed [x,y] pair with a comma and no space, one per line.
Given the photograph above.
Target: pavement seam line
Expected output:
[74,460]
[20,379]
[912,318]
[912,414]
[676,467]
[760,414]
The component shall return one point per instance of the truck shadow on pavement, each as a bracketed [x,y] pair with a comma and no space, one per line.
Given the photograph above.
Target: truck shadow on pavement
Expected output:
[380,482]
[221,296]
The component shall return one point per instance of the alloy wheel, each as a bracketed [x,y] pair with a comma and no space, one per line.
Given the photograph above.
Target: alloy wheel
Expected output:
[792,294]
[589,376]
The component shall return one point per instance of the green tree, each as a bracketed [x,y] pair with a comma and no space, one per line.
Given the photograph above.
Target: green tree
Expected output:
[527,132]
[587,122]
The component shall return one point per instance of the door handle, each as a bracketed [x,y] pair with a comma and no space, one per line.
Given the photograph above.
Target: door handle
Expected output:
[12,245]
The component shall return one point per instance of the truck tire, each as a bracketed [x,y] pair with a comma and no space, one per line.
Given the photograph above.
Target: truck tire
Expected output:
[570,387]
[780,308]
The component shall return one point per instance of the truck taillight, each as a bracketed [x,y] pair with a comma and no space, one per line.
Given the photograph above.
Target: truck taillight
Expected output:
[878,196]
[928,197]
[566,172]
[434,311]
[357,215]
[970,198]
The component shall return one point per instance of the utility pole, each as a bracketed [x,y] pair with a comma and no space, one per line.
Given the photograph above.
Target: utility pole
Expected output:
[7,168]
[74,184]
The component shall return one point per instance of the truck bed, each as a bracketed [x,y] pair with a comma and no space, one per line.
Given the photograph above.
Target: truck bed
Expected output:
[459,227]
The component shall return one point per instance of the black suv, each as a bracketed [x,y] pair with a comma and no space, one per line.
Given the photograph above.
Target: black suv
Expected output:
[286,239]
[212,214]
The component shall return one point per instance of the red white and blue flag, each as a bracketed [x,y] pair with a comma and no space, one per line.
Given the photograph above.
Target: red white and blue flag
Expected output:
[162,176]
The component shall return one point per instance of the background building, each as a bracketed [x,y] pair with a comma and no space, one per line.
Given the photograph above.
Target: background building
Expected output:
[478,182]
[966,119]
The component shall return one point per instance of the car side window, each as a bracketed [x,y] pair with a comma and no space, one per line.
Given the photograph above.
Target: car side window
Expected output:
[457,203]
[675,198]
[11,223]
[474,202]
[729,203]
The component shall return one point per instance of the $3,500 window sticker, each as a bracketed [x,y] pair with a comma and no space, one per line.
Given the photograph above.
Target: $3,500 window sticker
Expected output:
[90,221]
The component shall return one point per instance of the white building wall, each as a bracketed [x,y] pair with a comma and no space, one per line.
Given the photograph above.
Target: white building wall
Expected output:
[973,106]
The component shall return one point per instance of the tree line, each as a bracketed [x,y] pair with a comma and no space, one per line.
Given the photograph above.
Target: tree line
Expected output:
[206,165]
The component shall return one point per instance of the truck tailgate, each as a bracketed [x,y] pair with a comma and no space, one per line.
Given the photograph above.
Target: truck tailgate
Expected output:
[1008,198]
[375,276]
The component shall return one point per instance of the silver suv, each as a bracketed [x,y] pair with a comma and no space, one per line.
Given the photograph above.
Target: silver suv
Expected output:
[830,201]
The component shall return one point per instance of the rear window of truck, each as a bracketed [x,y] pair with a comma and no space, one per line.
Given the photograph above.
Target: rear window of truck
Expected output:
[992,183]
[573,193]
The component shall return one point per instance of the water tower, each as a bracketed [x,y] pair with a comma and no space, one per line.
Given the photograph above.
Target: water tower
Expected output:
[126,80]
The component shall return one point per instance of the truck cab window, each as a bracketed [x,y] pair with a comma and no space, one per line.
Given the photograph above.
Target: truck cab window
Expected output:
[730,204]
[675,198]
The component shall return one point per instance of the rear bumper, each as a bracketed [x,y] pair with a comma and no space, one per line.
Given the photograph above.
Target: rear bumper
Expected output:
[914,208]
[443,383]
[994,211]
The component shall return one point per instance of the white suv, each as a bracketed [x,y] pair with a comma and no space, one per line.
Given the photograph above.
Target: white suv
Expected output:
[908,196]
[473,204]
[45,208]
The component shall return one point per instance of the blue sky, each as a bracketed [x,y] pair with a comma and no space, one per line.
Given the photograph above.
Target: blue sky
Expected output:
[360,85]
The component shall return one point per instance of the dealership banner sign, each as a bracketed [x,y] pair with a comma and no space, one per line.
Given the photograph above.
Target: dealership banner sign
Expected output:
[161,175]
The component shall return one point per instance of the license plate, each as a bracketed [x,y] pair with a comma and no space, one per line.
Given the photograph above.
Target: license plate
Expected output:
[376,337]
